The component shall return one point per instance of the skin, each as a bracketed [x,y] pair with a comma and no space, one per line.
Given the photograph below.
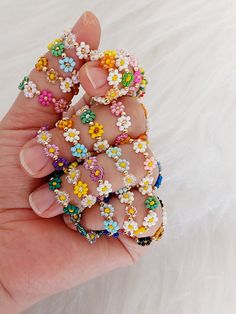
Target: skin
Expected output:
[40,257]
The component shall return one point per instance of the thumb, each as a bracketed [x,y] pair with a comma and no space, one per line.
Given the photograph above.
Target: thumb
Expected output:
[93,79]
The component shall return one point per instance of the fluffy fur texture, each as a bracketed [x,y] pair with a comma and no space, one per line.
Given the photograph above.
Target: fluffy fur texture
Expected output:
[188,50]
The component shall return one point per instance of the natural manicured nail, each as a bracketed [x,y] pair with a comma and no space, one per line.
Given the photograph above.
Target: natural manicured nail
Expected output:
[33,159]
[42,200]
[96,76]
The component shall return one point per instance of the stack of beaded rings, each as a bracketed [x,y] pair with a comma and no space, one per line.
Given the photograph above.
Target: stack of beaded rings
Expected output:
[125,76]
[68,41]
[68,84]
[71,135]
[104,189]
[44,138]
[124,73]
[74,212]
[145,188]
[145,241]
[45,97]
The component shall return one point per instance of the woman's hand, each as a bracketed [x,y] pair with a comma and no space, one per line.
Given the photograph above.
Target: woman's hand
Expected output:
[40,257]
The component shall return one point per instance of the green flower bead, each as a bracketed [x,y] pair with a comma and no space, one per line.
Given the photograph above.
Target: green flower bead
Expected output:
[127,79]
[151,202]
[71,210]
[54,183]
[87,116]
[23,82]
[58,49]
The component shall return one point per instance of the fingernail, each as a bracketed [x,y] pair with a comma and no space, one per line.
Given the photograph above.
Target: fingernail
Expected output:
[96,76]
[86,18]
[42,199]
[33,159]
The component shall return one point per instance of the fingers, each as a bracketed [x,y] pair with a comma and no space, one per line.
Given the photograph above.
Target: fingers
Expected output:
[93,78]
[37,164]
[27,112]
[43,200]
[92,220]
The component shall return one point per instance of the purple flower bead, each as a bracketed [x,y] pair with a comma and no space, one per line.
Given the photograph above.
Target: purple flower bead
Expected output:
[97,173]
[60,164]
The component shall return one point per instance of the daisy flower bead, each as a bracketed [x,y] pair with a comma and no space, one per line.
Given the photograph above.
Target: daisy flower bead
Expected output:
[145,185]
[79,151]
[62,198]
[113,152]
[61,105]
[129,180]
[150,164]
[122,165]
[95,55]
[44,137]
[104,188]
[69,40]
[127,197]
[122,62]
[150,220]
[100,146]
[114,77]
[72,135]
[111,226]
[87,116]
[139,146]
[82,51]
[30,89]
[73,176]
[66,85]
[130,226]
[88,201]
[67,64]
[123,123]
[107,210]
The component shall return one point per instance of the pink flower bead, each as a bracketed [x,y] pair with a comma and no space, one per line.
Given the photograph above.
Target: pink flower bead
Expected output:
[120,138]
[61,106]
[90,163]
[117,108]
[150,164]
[138,76]
[51,150]
[45,98]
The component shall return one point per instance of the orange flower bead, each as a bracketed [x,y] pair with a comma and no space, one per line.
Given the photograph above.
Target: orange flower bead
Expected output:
[41,63]
[108,60]
[66,123]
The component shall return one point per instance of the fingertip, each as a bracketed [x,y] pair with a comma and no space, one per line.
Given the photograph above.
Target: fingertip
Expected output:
[93,79]
[88,29]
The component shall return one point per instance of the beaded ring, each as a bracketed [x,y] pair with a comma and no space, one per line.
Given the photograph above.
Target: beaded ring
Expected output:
[44,138]
[71,135]
[74,212]
[45,97]
[145,241]
[68,41]
[66,84]
[145,188]
[104,189]
[125,76]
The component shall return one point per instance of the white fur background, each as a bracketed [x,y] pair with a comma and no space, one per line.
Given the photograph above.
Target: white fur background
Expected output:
[188,48]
